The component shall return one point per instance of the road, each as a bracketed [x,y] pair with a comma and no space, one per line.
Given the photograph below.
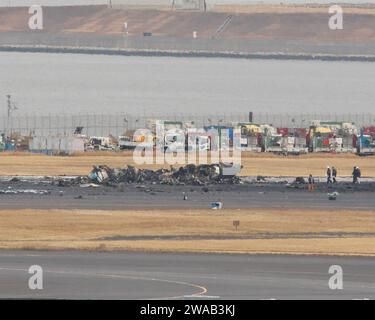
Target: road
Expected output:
[84,275]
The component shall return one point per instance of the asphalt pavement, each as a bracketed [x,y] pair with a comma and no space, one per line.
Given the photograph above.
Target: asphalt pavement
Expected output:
[21,195]
[95,275]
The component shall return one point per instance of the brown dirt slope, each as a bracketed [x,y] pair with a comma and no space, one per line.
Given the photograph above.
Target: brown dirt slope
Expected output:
[249,22]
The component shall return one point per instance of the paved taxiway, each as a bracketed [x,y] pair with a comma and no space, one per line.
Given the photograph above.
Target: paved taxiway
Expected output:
[85,275]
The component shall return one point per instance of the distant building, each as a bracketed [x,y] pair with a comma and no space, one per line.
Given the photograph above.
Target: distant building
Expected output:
[199,5]
[57,144]
[196,5]
[142,4]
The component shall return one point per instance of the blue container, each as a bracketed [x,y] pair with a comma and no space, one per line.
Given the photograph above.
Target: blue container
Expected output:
[9,146]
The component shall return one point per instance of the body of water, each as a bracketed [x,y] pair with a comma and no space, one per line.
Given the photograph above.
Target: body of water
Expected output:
[42,83]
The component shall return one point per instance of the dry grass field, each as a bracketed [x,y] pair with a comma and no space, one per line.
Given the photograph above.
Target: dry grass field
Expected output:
[253,164]
[260,231]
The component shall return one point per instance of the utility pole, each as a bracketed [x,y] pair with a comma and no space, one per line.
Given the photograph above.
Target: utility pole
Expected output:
[10,108]
[9,105]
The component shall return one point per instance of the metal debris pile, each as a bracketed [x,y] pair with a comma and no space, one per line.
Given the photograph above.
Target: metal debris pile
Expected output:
[25,191]
[188,175]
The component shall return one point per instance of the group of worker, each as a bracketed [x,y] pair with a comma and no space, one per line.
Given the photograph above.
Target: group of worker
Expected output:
[332,177]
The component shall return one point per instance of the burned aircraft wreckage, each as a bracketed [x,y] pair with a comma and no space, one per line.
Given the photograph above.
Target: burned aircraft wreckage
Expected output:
[190,174]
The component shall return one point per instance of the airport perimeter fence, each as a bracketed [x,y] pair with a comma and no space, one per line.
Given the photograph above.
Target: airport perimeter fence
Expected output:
[119,123]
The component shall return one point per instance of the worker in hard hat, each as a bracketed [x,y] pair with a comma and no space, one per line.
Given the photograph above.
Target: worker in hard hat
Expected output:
[356,175]
[359,174]
[334,175]
[311,183]
[329,175]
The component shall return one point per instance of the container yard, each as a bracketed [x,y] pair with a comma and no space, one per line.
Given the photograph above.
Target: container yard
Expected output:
[321,136]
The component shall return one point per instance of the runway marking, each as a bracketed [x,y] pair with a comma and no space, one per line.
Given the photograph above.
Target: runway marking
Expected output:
[13,269]
[203,290]
[17,255]
[202,296]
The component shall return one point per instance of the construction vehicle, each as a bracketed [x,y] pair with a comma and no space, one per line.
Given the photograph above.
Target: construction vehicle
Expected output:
[251,136]
[332,136]
[285,140]
[221,136]
[132,139]
[366,142]
[175,140]
[293,140]
[198,141]
[100,144]
[273,143]
[126,143]
[170,134]
[272,140]
[2,142]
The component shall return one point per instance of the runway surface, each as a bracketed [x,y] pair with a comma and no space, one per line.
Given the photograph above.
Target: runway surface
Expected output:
[171,197]
[84,275]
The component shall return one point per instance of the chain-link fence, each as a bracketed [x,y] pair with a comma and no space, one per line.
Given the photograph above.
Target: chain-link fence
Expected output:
[118,124]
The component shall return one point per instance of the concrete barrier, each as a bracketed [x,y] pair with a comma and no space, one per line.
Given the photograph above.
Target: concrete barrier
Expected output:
[159,45]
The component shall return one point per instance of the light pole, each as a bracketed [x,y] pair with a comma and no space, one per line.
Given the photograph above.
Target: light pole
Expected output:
[127,124]
[11,107]
[126,34]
